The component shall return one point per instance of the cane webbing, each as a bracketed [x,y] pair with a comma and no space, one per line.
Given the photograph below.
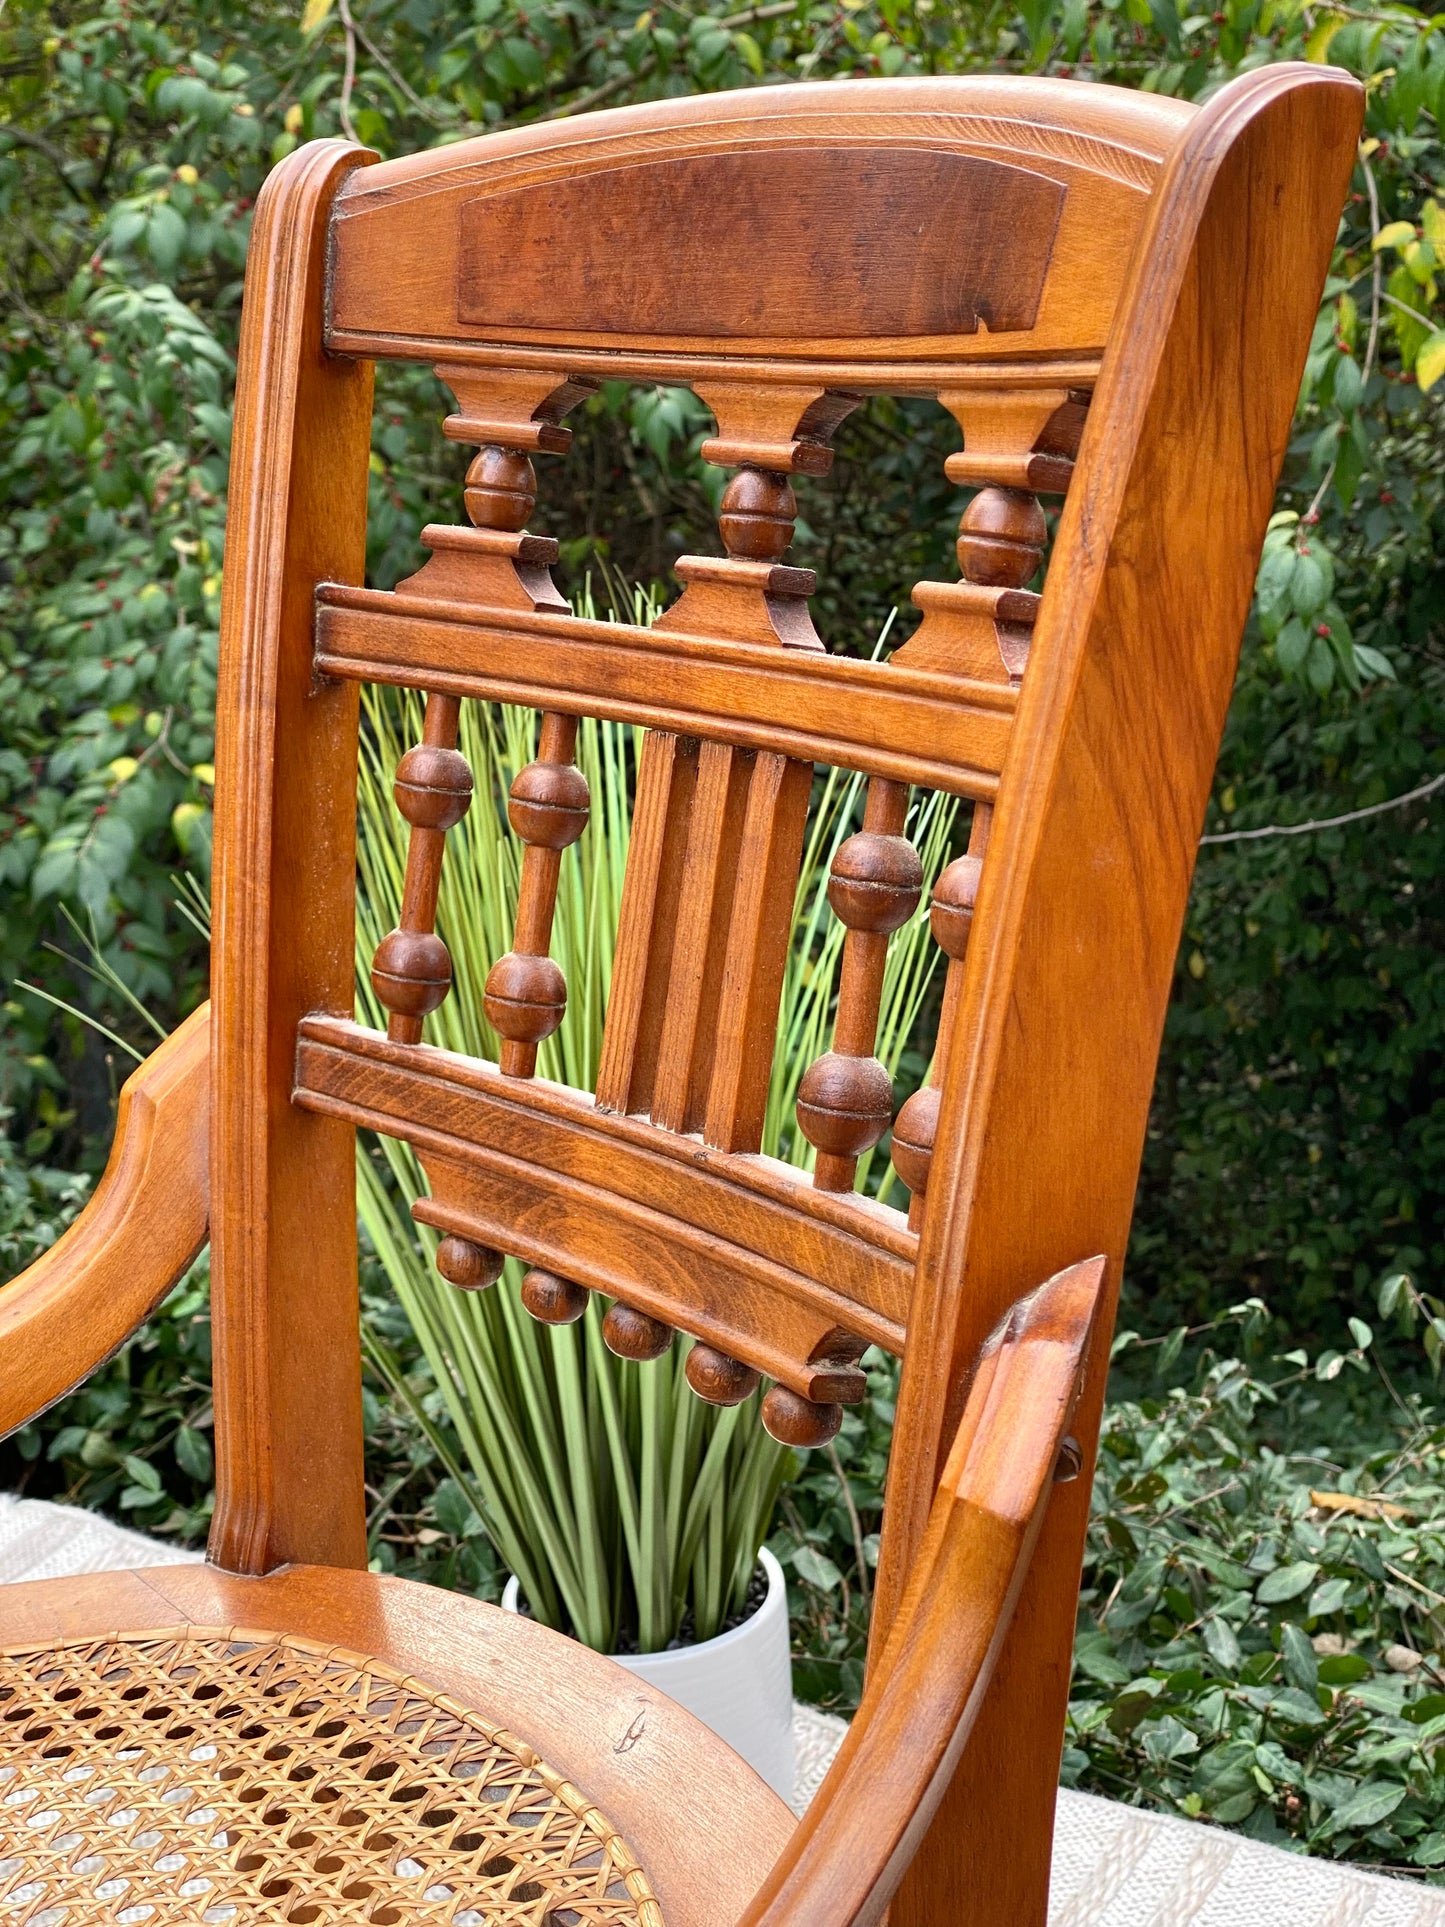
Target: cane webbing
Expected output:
[211,1775]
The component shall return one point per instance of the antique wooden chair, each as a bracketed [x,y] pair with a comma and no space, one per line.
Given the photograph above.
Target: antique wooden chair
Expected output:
[1113,294]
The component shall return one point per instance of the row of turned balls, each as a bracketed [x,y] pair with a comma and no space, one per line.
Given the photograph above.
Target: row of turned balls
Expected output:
[789,1417]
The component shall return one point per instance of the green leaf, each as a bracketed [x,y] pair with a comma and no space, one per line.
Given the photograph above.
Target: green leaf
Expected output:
[1309,585]
[815,1568]
[1219,1637]
[1328,1597]
[1349,384]
[193,1452]
[1367,1806]
[165,236]
[1292,646]
[1286,1582]
[1301,1668]
[142,1472]
[1430,361]
[1395,234]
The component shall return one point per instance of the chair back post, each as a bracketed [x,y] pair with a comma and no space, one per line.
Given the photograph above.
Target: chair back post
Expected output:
[1052,1060]
[283,1219]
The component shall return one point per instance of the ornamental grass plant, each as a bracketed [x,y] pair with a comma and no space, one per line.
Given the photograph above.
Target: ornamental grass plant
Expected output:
[631,1512]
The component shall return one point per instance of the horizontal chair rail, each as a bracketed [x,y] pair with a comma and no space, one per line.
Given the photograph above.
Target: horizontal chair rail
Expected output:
[625,1208]
[947,732]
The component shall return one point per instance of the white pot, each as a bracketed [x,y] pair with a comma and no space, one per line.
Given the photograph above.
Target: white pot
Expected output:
[740,1684]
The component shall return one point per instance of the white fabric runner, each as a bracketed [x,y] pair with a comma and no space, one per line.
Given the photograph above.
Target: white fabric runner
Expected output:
[1114,1866]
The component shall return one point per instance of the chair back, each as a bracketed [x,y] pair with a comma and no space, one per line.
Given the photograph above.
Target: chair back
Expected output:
[1112,293]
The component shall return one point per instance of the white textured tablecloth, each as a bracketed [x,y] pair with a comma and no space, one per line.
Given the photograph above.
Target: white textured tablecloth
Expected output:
[1114,1866]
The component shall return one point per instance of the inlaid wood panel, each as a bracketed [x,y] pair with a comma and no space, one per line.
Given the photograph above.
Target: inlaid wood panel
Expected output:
[529,237]
[819,221]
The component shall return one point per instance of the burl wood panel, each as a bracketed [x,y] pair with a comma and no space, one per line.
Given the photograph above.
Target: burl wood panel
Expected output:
[851,301]
[850,243]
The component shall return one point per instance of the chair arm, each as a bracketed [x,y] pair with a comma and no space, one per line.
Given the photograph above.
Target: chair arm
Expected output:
[851,1849]
[79,1301]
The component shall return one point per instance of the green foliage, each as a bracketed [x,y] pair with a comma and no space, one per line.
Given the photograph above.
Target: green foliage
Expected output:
[1304,1048]
[626,1506]
[1260,1640]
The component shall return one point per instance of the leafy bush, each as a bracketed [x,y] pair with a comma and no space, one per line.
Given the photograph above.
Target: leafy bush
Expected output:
[1261,1640]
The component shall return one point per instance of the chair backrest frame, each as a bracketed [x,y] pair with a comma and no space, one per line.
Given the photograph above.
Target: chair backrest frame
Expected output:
[1048,1063]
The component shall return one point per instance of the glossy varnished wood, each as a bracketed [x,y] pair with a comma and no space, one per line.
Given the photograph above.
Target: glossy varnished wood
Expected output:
[950,732]
[142,1228]
[1101,145]
[703,1824]
[859,1836]
[1133,347]
[1051,1063]
[283,1221]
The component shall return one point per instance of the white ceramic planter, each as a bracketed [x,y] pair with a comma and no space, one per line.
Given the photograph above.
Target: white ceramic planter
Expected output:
[740,1684]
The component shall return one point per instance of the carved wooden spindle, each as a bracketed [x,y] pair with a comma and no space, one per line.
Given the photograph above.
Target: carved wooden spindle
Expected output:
[797,1421]
[526,995]
[717,1378]
[632,1334]
[845,1101]
[411,972]
[1017,444]
[951,921]
[468,1266]
[553,1300]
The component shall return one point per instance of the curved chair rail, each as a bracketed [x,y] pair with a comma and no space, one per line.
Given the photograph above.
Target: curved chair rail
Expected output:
[66,1313]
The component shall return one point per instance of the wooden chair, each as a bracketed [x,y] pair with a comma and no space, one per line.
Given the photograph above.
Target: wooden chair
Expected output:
[1113,294]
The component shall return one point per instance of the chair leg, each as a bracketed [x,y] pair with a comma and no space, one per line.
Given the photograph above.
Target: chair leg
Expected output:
[985,1860]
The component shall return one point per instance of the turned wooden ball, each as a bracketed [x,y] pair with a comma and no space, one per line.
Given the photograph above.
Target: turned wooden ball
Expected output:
[548,804]
[433,787]
[845,1104]
[875,882]
[501,490]
[758,513]
[717,1378]
[553,1300]
[1001,538]
[525,998]
[632,1334]
[914,1130]
[954,895]
[411,972]
[467,1266]
[797,1421]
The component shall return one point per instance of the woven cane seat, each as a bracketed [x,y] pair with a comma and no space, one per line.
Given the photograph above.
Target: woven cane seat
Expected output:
[219,1775]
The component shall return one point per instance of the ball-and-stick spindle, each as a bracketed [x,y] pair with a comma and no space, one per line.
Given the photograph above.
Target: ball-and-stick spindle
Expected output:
[411,972]
[468,1266]
[632,1334]
[845,1101]
[797,1421]
[757,515]
[717,1378]
[951,921]
[553,1300]
[526,994]
[1001,538]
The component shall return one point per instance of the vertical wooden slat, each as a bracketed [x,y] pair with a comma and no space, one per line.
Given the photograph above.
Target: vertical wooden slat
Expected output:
[769,855]
[704,909]
[666,778]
